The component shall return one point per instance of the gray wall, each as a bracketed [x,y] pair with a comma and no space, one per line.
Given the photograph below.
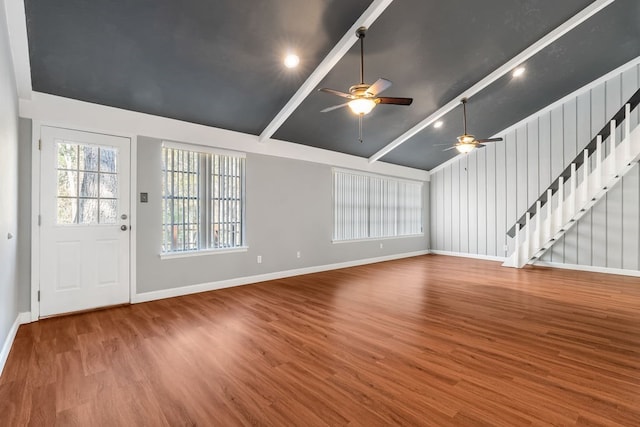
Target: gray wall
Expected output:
[289,209]
[24,215]
[8,185]
[477,198]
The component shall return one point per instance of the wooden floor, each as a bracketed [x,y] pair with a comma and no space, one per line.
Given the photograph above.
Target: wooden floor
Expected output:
[430,340]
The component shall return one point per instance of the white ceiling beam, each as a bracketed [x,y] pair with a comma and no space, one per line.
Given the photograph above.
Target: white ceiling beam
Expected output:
[346,42]
[506,68]
[19,46]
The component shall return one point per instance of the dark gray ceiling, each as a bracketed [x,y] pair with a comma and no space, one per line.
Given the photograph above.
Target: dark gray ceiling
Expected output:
[218,63]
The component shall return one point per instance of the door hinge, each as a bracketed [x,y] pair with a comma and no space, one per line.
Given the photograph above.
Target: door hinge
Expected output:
[39,144]
[38,296]
[39,220]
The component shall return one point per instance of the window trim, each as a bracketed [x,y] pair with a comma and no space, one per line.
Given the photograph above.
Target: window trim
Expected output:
[207,149]
[370,175]
[210,150]
[202,252]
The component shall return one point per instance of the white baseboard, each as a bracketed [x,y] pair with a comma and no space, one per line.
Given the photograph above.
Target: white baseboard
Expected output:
[592,269]
[211,286]
[21,319]
[24,317]
[466,255]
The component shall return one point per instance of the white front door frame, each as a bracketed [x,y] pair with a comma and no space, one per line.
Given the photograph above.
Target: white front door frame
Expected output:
[36,127]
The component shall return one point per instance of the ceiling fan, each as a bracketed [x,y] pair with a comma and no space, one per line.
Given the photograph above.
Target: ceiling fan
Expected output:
[466,143]
[364,97]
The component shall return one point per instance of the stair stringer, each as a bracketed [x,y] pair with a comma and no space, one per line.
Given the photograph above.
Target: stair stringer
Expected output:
[539,234]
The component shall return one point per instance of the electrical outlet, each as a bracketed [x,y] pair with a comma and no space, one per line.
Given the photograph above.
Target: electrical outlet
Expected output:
[259,259]
[298,254]
[381,245]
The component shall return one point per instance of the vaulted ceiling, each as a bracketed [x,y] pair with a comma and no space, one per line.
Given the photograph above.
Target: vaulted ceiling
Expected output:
[219,63]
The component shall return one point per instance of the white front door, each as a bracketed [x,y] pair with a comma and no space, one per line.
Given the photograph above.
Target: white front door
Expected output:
[84,232]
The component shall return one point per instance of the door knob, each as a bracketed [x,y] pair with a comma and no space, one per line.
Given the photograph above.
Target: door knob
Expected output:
[123,227]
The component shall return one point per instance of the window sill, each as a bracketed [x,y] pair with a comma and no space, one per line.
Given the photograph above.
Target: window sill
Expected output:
[203,252]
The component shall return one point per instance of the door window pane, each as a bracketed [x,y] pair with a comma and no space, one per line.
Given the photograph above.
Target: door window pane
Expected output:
[67,209]
[67,156]
[108,158]
[88,211]
[86,196]
[108,211]
[89,158]
[88,184]
[108,185]
[67,183]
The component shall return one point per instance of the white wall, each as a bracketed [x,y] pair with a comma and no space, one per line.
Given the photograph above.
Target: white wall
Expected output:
[8,186]
[476,198]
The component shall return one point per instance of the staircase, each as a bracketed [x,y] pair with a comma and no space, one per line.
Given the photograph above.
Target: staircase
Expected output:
[585,181]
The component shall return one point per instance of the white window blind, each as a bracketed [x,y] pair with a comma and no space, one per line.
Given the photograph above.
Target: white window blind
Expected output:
[409,208]
[371,206]
[202,199]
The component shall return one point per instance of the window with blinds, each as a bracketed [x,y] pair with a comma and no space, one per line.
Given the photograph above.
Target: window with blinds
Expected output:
[369,206]
[202,199]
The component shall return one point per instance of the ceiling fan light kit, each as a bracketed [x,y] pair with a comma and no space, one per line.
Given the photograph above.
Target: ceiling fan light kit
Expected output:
[364,97]
[362,106]
[466,142]
[465,148]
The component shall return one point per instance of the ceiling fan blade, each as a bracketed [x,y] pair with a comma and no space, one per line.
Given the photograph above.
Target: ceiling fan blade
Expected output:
[336,92]
[335,107]
[480,145]
[450,148]
[379,86]
[395,101]
[489,140]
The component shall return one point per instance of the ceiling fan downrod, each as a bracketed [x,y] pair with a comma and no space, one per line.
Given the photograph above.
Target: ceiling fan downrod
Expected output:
[360,33]
[464,113]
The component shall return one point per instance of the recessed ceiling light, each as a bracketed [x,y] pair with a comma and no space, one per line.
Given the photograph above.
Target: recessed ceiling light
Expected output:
[518,71]
[438,124]
[291,60]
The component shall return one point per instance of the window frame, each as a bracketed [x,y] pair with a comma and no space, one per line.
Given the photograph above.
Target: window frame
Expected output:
[206,196]
[338,224]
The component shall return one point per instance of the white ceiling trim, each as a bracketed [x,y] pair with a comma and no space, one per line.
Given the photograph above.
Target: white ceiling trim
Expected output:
[73,114]
[346,42]
[17,28]
[506,68]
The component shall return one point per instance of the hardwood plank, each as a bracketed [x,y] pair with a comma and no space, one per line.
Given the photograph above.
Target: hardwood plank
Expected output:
[430,340]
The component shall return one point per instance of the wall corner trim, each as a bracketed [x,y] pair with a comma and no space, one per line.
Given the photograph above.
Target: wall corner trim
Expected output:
[240,281]
[21,319]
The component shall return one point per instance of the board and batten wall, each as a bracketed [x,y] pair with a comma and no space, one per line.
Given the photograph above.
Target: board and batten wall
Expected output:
[477,197]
